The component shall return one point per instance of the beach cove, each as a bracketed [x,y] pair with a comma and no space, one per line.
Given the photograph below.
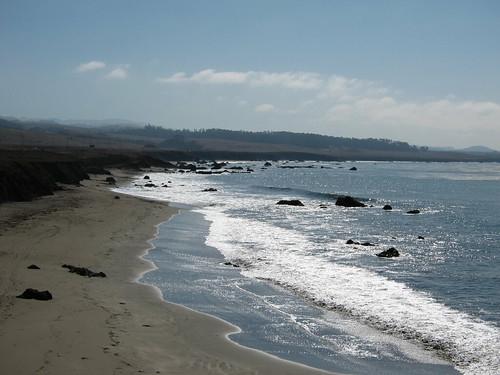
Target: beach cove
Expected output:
[103,325]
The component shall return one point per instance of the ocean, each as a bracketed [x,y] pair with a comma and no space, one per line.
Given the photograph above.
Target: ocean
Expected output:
[286,276]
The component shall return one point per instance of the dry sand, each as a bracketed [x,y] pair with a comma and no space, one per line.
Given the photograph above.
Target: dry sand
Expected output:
[109,325]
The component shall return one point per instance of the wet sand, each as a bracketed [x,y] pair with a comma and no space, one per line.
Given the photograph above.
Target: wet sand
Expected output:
[109,325]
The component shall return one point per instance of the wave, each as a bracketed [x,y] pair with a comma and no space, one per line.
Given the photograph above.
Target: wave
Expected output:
[305,193]
[285,257]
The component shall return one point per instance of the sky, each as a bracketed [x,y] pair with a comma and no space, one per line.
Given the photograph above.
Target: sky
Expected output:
[426,72]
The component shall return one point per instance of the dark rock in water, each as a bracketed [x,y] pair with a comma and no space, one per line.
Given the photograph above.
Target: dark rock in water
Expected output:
[351,242]
[421,238]
[353,169]
[33,267]
[291,202]
[347,201]
[146,178]
[249,170]
[82,271]
[238,168]
[110,180]
[150,184]
[40,295]
[230,264]
[117,197]
[390,253]
[267,164]
[387,207]
[413,212]
[323,206]
[367,244]
[210,189]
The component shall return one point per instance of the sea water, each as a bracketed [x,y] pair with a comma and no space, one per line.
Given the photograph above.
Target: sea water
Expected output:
[302,293]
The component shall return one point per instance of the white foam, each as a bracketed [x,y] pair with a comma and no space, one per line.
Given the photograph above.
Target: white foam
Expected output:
[289,258]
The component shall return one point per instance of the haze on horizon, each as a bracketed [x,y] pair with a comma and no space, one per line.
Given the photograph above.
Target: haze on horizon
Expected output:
[426,72]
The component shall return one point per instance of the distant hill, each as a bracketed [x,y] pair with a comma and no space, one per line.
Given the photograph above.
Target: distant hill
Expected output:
[478,149]
[217,143]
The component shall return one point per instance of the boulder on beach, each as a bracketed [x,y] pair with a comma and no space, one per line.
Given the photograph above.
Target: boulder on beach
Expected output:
[347,201]
[387,207]
[291,202]
[33,267]
[389,253]
[40,295]
[413,212]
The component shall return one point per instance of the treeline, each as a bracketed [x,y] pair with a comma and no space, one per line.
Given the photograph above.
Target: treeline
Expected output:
[274,137]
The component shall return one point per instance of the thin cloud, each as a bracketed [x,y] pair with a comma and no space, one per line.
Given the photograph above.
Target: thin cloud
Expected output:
[265,108]
[293,80]
[119,73]
[90,66]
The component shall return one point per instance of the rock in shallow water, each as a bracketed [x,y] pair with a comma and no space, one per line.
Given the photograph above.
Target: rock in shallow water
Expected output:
[387,207]
[291,202]
[413,212]
[347,201]
[390,253]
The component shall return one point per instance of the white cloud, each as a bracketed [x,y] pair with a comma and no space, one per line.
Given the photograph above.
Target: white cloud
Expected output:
[293,80]
[90,66]
[349,106]
[265,108]
[120,72]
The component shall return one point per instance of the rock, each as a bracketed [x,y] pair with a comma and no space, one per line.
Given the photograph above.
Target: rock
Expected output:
[150,184]
[347,201]
[351,242]
[209,189]
[267,164]
[413,212]
[117,197]
[421,238]
[353,169]
[390,253]
[110,180]
[146,178]
[82,271]
[33,267]
[249,170]
[39,295]
[323,206]
[230,264]
[291,202]
[367,244]
[387,207]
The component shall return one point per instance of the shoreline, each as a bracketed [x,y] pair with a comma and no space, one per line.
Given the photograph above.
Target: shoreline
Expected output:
[112,325]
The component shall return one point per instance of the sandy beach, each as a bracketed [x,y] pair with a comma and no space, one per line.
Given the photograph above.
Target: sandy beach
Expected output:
[109,325]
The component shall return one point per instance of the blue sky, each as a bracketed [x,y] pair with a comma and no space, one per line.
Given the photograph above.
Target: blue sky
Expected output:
[427,72]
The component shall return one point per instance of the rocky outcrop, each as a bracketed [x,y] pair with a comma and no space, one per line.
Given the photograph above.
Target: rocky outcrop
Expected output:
[387,207]
[30,293]
[291,202]
[26,180]
[347,201]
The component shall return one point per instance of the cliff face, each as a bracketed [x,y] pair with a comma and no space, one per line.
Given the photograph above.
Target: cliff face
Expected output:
[25,180]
